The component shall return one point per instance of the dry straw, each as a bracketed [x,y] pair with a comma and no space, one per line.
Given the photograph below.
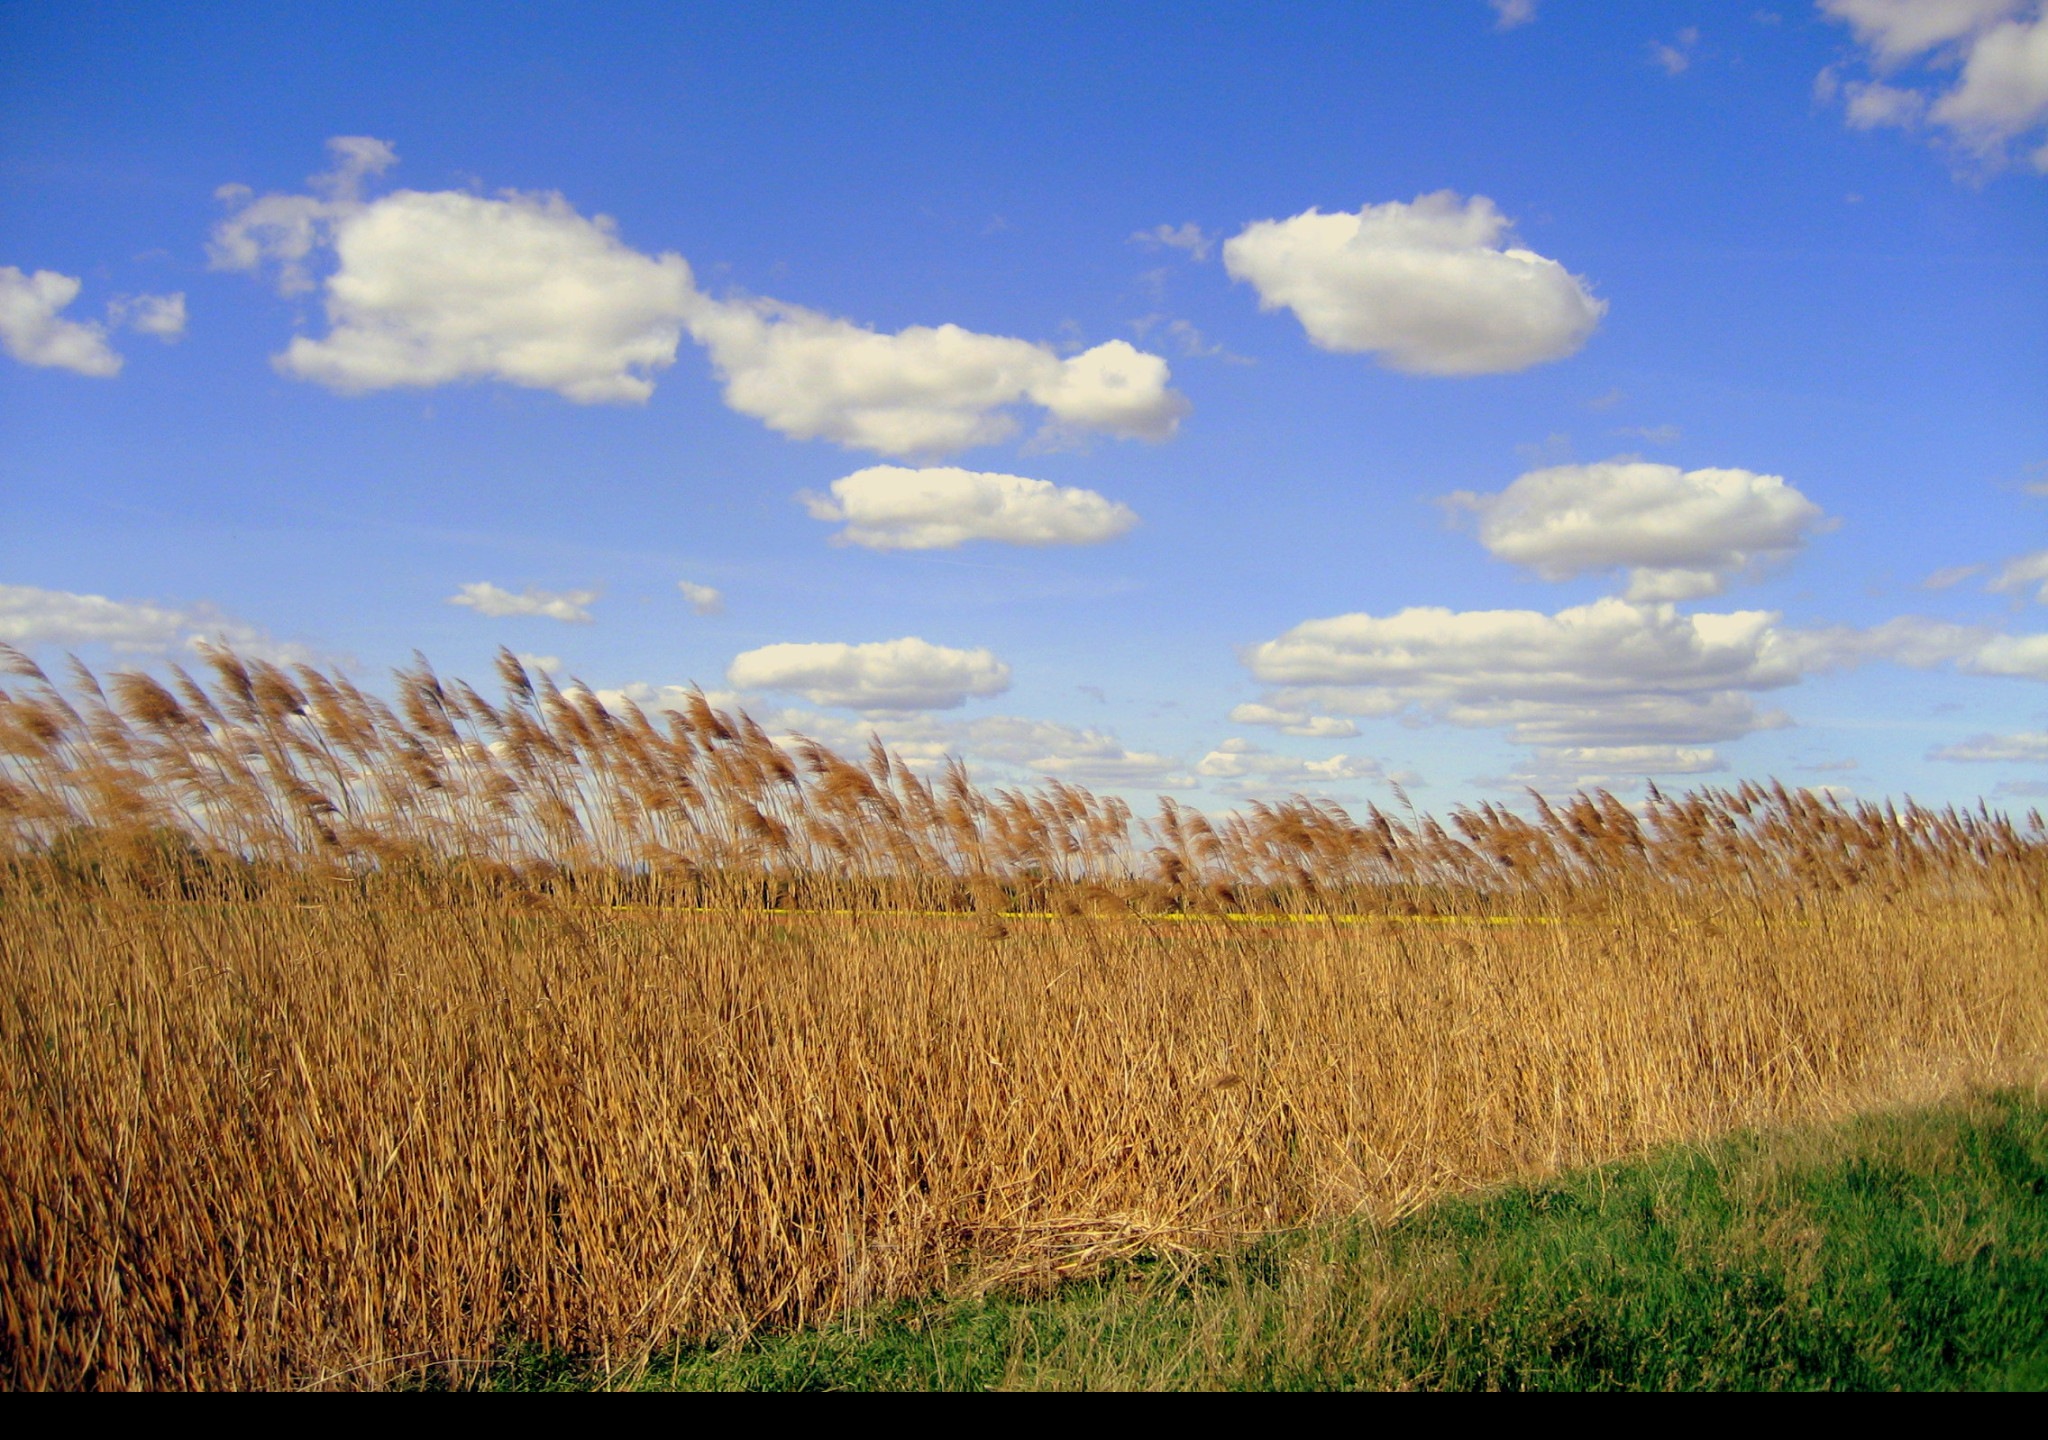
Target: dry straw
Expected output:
[344,1038]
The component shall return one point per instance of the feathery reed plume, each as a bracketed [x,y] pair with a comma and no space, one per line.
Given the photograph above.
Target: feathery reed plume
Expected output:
[342,1037]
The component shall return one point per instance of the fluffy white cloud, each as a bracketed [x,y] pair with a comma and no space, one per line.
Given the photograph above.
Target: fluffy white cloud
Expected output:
[1828,766]
[33,330]
[1619,720]
[35,334]
[885,676]
[285,230]
[1632,759]
[1874,105]
[2022,574]
[160,315]
[2004,88]
[1682,532]
[703,599]
[1999,48]
[1600,676]
[1911,640]
[1675,59]
[1238,767]
[1603,692]
[567,606]
[434,287]
[1114,388]
[1609,646]
[1898,30]
[30,616]
[2027,746]
[1042,747]
[890,507]
[1507,14]
[1432,287]
[1294,722]
[1189,340]
[2022,657]
[1189,237]
[1605,767]
[438,287]
[925,390]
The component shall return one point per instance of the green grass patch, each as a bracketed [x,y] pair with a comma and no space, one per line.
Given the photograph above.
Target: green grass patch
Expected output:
[1896,1251]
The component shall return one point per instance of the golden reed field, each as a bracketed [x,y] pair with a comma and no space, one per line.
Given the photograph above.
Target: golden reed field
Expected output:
[347,1043]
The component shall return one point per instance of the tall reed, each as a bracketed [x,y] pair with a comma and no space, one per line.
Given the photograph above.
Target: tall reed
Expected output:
[343,1041]
[263,773]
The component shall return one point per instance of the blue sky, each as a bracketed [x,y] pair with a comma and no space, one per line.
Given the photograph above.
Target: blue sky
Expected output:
[1748,305]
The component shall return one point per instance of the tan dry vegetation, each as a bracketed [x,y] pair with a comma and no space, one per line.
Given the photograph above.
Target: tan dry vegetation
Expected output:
[343,1041]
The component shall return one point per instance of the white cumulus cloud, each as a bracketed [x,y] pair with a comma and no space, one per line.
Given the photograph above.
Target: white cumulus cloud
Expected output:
[1950,575]
[286,230]
[36,334]
[2027,746]
[891,507]
[884,676]
[1584,675]
[2022,657]
[1682,533]
[1294,722]
[160,315]
[1675,58]
[1613,676]
[1631,759]
[1238,767]
[1113,388]
[1899,30]
[433,287]
[1065,752]
[1509,14]
[1189,237]
[1606,767]
[925,390]
[568,606]
[703,599]
[1910,640]
[1874,105]
[1432,287]
[30,615]
[1996,50]
[2004,88]
[2023,573]
[437,287]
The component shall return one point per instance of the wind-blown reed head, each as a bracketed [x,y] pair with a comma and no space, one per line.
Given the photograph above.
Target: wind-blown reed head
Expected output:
[260,764]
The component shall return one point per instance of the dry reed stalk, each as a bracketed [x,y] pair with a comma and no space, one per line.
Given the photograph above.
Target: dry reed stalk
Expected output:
[447,792]
[255,1144]
[324,1055]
